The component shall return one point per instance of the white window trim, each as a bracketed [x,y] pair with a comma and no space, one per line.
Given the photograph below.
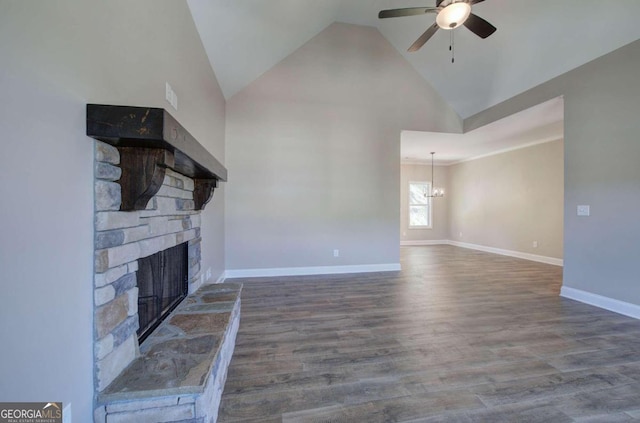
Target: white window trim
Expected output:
[429,205]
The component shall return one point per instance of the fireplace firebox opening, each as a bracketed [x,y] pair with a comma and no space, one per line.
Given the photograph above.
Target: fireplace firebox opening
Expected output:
[162,285]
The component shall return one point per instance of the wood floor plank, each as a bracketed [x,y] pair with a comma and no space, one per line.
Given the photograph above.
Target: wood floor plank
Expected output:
[549,386]
[616,399]
[399,409]
[519,413]
[457,336]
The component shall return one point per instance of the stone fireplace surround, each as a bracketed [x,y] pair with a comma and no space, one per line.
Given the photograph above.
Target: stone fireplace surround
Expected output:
[121,238]
[171,217]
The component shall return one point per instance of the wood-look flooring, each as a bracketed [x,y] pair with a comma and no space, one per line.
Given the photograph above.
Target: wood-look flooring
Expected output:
[457,336]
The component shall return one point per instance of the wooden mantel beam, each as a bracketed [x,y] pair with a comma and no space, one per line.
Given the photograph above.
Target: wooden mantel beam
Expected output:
[150,140]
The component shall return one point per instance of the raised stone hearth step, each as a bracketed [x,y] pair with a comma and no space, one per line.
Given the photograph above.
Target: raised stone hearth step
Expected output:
[180,373]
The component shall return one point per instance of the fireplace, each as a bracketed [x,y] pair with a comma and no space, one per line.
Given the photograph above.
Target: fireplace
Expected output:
[162,284]
[152,179]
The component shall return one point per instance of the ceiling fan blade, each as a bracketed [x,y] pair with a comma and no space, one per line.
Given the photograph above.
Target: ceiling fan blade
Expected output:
[424,38]
[471,2]
[479,26]
[409,11]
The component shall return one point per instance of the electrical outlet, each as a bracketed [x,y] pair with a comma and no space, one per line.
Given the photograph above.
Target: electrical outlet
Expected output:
[460,235]
[336,253]
[168,93]
[584,210]
[170,96]
[535,244]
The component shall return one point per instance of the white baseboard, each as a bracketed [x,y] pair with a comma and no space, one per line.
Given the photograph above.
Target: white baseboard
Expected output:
[617,306]
[425,242]
[510,253]
[317,270]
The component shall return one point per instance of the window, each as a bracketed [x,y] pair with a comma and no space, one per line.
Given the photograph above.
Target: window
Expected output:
[419,205]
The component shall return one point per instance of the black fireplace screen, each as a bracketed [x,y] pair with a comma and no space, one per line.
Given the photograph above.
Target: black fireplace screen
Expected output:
[162,284]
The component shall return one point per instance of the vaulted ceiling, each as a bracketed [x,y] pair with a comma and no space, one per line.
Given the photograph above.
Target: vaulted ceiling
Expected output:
[536,40]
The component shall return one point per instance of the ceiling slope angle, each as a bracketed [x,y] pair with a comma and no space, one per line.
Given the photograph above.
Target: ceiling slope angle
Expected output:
[244,39]
[535,41]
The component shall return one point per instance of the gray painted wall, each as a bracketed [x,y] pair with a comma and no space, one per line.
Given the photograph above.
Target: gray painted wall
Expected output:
[313,147]
[56,57]
[602,100]
[510,200]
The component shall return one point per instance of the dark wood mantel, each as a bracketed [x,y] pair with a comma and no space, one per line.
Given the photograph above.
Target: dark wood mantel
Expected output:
[150,140]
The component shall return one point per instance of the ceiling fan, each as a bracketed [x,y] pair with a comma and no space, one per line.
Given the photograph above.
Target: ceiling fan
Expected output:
[450,15]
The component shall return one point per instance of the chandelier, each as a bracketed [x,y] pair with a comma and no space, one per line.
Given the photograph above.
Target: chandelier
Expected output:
[435,192]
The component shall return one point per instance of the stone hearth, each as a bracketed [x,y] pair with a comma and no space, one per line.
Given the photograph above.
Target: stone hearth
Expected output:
[180,373]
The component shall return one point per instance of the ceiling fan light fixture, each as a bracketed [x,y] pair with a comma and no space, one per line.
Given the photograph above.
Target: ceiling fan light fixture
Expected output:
[453,15]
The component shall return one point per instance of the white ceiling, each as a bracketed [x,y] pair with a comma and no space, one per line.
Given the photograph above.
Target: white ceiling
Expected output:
[536,41]
[542,123]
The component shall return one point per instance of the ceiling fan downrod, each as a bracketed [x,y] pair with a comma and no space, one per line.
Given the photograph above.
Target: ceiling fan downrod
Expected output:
[452,47]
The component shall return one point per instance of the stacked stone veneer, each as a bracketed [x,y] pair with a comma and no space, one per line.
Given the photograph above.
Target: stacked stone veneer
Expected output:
[121,238]
[179,376]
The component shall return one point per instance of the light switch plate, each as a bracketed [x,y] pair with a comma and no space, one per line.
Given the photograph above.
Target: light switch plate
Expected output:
[66,413]
[584,210]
